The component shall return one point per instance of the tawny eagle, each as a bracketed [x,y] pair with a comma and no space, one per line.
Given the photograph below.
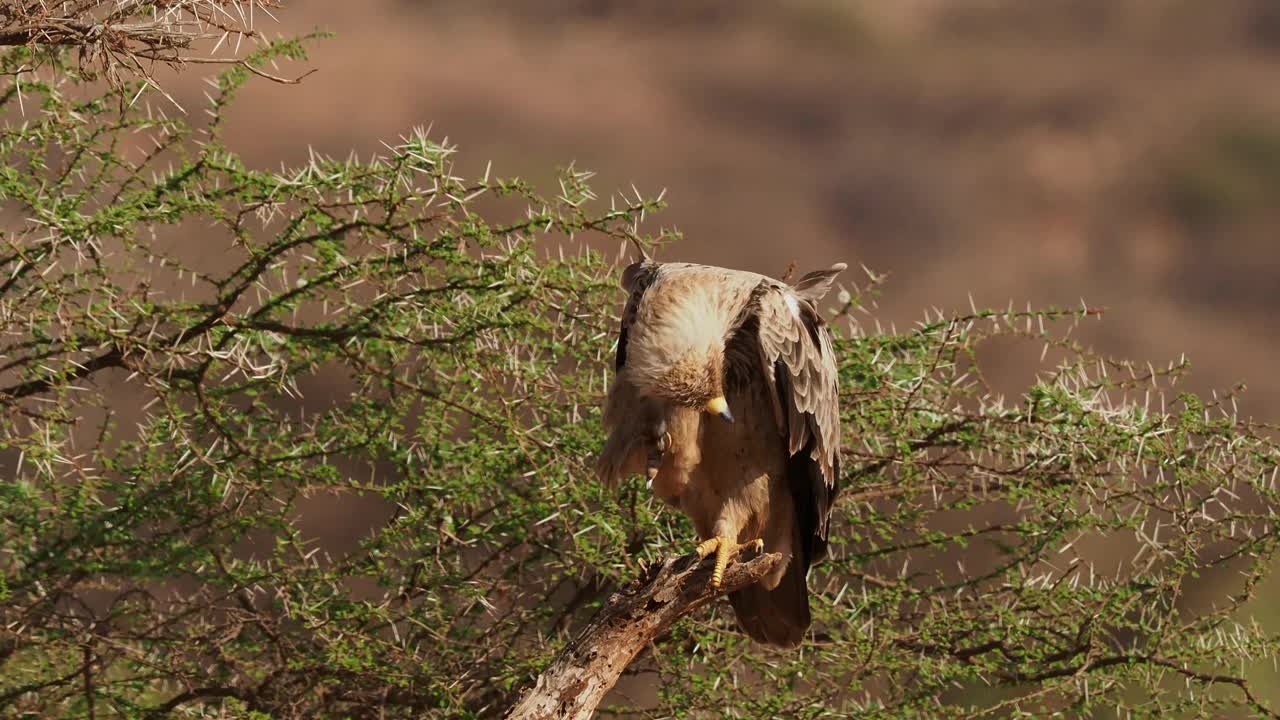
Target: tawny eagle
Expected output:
[726,397]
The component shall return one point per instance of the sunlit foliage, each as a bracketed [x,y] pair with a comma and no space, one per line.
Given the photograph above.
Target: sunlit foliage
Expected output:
[209,371]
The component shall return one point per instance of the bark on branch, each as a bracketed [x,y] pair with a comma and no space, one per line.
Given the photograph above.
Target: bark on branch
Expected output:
[77,33]
[119,37]
[588,667]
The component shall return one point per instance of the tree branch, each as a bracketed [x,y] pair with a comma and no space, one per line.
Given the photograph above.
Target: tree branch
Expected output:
[78,33]
[588,667]
[112,358]
[129,37]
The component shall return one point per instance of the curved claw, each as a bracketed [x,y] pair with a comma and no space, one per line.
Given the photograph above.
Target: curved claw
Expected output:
[660,447]
[664,442]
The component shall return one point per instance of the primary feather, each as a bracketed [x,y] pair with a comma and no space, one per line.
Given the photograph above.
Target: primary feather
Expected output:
[691,333]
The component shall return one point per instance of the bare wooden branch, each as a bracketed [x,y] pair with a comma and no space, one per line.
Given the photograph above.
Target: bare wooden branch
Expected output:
[588,667]
[132,37]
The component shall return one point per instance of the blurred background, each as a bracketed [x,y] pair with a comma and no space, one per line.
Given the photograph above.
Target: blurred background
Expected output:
[1126,152]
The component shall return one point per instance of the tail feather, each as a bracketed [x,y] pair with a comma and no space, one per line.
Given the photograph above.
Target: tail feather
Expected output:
[779,616]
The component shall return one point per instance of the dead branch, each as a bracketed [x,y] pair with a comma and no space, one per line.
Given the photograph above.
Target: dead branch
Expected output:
[588,667]
[132,36]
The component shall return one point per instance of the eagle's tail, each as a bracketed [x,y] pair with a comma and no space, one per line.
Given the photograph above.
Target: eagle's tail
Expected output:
[779,616]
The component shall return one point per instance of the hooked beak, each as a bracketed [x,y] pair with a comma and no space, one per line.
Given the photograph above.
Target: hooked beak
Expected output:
[718,406]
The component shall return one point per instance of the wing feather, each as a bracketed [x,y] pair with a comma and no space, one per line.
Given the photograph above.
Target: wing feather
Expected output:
[798,361]
[636,278]
[627,416]
[808,401]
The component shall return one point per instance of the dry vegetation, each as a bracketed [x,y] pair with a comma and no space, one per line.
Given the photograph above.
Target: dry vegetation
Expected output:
[131,38]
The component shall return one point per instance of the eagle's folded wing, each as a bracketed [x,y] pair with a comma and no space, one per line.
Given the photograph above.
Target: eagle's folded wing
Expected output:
[798,361]
[636,278]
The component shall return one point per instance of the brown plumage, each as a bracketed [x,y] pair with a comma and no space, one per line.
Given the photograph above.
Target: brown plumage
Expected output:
[694,338]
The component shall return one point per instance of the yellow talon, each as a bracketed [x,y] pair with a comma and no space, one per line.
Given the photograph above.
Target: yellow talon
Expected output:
[706,547]
[724,549]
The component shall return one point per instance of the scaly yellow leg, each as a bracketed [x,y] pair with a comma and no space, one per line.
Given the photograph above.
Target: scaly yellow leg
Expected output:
[724,548]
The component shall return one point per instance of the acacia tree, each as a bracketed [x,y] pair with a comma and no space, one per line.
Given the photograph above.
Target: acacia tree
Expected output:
[195,354]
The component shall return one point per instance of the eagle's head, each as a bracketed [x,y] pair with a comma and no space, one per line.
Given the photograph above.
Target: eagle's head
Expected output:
[676,349]
[693,380]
